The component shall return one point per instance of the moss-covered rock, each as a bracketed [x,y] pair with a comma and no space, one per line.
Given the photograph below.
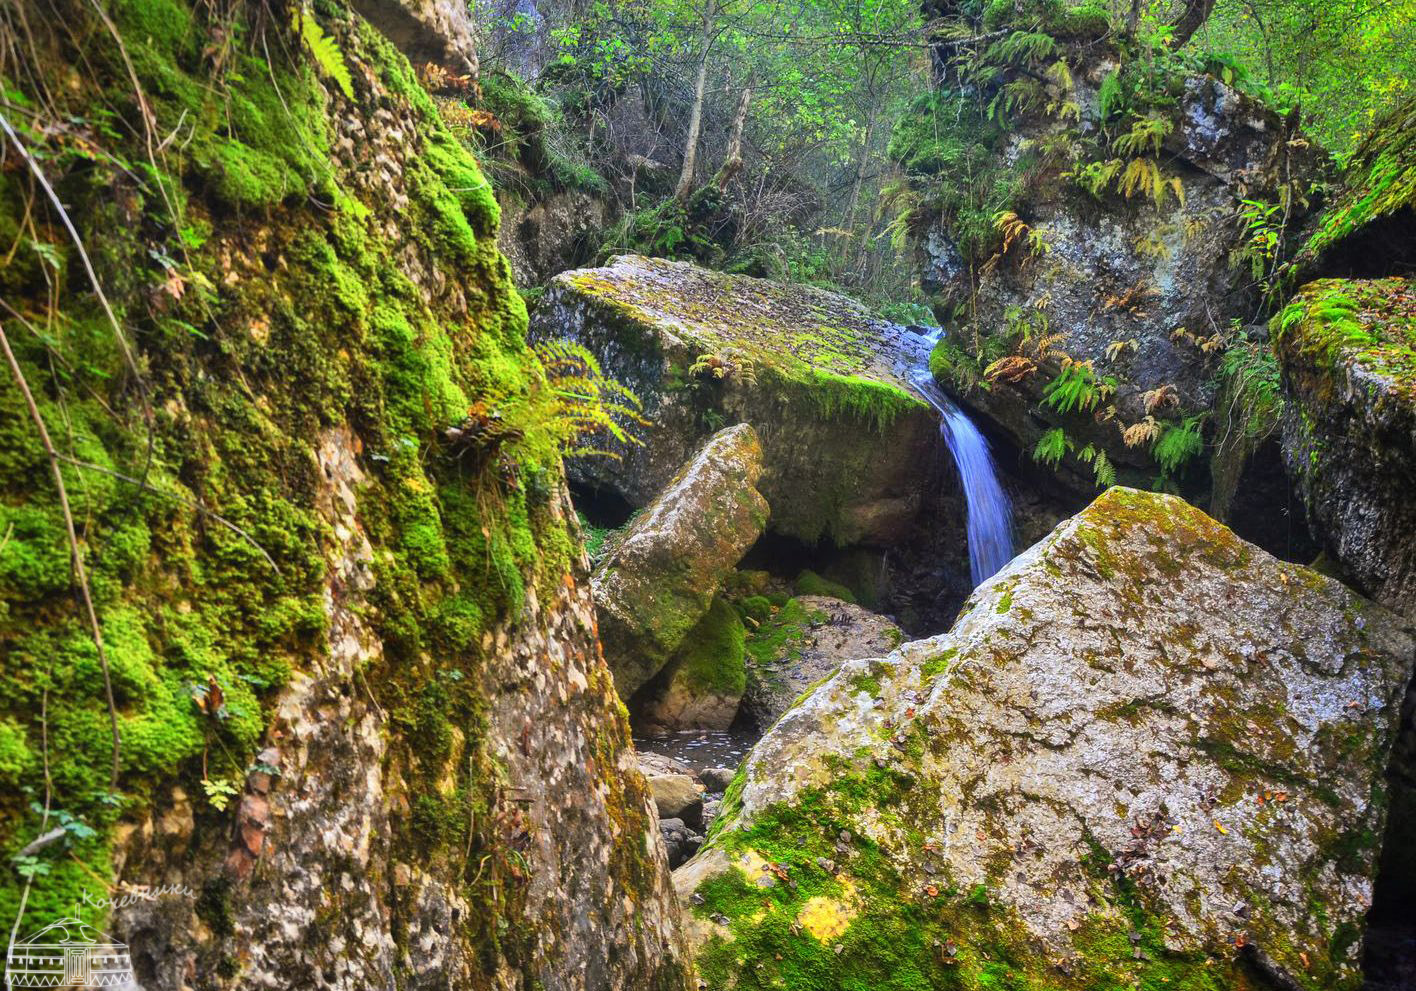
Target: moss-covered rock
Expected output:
[1347,350]
[793,648]
[1367,229]
[345,656]
[1147,755]
[659,578]
[821,380]
[701,687]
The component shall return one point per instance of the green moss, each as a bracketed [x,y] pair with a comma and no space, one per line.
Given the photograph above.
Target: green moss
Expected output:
[711,660]
[1334,323]
[1379,180]
[755,608]
[895,931]
[781,635]
[810,583]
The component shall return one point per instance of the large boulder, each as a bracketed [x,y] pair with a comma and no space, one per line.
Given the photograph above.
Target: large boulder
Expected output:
[824,383]
[364,734]
[1349,426]
[1148,755]
[803,642]
[660,577]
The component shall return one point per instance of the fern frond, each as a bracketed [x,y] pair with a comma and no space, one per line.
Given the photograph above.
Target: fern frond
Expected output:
[1141,433]
[324,49]
[1052,446]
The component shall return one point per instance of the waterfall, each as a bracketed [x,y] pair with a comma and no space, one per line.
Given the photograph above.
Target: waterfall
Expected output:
[990,513]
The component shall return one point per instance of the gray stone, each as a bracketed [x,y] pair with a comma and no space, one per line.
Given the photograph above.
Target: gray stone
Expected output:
[716,779]
[1142,710]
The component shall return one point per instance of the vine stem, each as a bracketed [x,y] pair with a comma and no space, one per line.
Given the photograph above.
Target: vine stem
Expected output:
[75,551]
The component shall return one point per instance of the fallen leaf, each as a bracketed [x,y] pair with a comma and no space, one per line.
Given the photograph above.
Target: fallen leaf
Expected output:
[1220,826]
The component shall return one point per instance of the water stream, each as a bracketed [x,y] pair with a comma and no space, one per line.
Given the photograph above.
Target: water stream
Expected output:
[990,512]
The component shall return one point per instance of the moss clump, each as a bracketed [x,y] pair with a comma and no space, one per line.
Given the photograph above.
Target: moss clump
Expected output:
[780,637]
[1380,180]
[711,660]
[1332,323]
[755,608]
[810,583]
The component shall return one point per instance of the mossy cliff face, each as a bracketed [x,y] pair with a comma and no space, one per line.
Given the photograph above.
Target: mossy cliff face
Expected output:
[821,381]
[1347,350]
[1147,756]
[364,720]
[1078,196]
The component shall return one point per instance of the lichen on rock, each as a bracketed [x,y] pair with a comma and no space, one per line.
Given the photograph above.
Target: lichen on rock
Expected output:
[1148,754]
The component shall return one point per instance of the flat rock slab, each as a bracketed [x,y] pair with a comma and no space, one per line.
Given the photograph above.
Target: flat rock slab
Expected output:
[1147,755]
[773,322]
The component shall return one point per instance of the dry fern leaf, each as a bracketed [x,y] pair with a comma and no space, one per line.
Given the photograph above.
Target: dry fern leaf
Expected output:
[1141,433]
[1164,396]
[1010,369]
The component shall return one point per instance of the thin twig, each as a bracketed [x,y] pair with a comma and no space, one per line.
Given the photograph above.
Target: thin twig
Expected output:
[77,556]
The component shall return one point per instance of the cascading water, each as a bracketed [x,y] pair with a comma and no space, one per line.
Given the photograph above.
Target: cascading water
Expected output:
[990,513]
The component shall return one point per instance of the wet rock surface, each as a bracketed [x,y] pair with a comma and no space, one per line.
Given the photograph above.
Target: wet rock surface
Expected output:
[1147,754]
[659,579]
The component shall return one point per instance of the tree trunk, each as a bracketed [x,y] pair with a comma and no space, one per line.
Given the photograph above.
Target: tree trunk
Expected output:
[732,162]
[854,206]
[695,116]
[1194,17]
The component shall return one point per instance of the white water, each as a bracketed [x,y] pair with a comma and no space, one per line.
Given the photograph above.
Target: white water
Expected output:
[990,512]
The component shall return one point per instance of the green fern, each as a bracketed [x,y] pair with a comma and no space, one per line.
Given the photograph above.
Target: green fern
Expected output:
[1146,134]
[1111,98]
[1075,389]
[1177,443]
[1021,48]
[324,49]
[1102,467]
[1051,447]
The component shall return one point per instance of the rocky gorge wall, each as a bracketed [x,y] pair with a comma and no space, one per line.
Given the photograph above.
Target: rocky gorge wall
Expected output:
[365,734]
